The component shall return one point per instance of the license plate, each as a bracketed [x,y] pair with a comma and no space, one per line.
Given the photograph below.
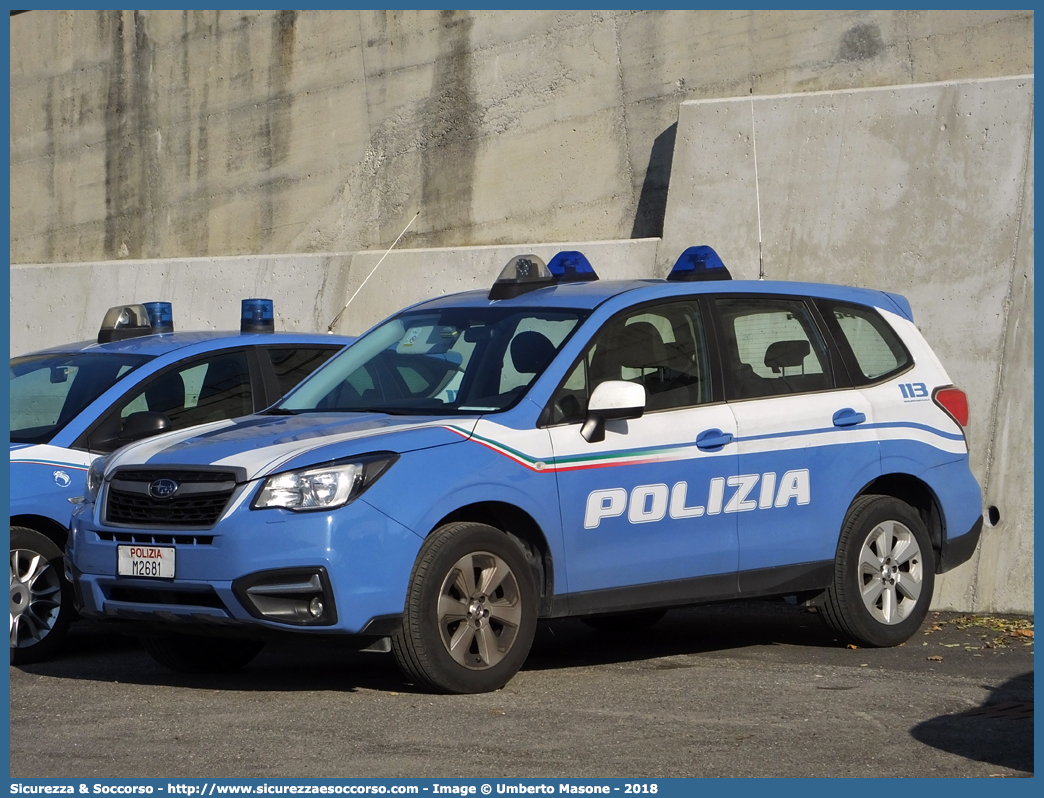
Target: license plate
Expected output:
[154,561]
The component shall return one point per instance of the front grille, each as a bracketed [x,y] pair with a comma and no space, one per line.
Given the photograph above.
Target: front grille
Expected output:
[198,511]
[199,501]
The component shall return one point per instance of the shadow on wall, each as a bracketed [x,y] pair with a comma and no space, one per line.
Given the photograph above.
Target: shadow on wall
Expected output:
[652,203]
[999,732]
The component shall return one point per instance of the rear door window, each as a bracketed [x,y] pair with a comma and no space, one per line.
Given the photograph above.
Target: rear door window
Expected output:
[771,347]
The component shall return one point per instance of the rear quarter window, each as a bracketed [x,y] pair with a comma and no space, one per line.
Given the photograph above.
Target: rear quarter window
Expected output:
[874,350]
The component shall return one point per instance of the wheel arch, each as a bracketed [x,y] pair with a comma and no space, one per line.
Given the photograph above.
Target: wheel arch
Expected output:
[48,527]
[919,495]
[519,524]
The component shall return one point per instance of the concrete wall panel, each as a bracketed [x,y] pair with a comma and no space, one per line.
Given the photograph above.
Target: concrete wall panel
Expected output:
[1001,575]
[919,190]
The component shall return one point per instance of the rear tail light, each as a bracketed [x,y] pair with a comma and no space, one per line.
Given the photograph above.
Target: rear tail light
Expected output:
[953,401]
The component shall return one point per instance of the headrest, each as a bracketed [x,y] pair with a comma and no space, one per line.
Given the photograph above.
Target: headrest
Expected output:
[166,393]
[639,346]
[786,354]
[531,352]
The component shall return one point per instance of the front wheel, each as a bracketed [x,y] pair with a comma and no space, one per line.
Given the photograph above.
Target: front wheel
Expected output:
[201,654]
[470,613]
[884,573]
[41,598]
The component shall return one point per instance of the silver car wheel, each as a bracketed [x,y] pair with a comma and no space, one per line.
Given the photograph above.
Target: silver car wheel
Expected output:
[36,596]
[479,610]
[891,570]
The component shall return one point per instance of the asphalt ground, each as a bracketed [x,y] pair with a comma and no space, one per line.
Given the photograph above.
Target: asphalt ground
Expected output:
[745,689]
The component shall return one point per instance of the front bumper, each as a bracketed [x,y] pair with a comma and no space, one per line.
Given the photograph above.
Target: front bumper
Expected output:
[255,572]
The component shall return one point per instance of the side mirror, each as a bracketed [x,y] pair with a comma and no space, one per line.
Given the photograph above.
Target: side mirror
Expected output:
[612,399]
[143,425]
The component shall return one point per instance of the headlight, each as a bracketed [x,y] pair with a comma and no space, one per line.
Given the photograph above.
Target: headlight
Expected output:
[325,487]
[95,476]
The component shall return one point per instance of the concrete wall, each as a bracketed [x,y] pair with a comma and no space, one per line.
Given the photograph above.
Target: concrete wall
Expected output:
[53,304]
[926,191]
[169,134]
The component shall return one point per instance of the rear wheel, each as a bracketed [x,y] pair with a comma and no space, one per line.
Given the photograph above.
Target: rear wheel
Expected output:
[470,613]
[884,574]
[41,598]
[201,654]
[625,623]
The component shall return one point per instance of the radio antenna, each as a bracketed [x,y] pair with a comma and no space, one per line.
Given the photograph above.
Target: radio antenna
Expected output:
[757,188]
[337,318]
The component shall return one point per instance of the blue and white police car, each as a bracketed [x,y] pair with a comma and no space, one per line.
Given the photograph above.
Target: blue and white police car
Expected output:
[73,403]
[556,446]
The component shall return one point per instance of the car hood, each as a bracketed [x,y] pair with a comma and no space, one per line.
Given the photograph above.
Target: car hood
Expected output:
[258,445]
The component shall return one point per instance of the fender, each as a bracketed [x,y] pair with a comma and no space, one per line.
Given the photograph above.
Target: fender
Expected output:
[439,485]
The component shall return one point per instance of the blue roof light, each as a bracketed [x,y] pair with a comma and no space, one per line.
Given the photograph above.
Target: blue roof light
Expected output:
[571,267]
[258,316]
[699,263]
[161,315]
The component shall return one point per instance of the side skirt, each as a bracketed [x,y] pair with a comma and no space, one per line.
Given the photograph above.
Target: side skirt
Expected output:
[780,581]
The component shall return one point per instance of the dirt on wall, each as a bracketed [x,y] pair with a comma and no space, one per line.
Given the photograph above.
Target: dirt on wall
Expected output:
[147,134]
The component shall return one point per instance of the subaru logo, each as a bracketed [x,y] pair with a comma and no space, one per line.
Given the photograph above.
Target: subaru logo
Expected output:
[163,488]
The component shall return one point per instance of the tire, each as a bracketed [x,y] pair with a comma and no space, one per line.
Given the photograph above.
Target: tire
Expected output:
[625,623]
[200,653]
[884,574]
[470,613]
[41,597]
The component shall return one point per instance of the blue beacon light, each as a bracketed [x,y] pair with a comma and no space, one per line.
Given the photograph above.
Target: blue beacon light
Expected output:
[699,264]
[570,266]
[258,316]
[161,316]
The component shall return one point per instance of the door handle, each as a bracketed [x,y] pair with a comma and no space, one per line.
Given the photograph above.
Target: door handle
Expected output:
[847,417]
[711,440]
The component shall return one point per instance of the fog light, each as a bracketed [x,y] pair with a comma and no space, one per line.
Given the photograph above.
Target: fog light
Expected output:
[300,596]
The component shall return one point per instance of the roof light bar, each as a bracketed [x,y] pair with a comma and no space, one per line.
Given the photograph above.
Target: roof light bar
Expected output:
[571,267]
[124,321]
[258,316]
[699,264]
[523,273]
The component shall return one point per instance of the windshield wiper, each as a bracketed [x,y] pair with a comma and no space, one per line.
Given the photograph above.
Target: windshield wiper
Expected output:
[387,411]
[278,411]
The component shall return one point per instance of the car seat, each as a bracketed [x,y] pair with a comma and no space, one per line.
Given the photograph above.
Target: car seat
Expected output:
[531,352]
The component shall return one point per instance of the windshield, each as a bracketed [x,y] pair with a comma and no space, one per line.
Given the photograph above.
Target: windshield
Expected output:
[49,391]
[453,360]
